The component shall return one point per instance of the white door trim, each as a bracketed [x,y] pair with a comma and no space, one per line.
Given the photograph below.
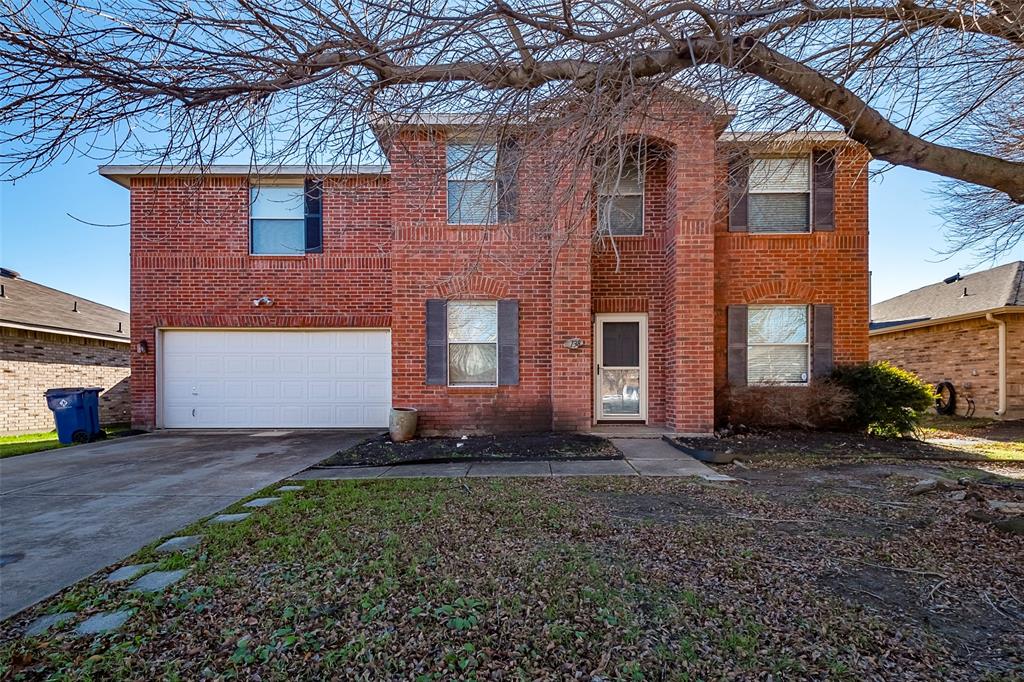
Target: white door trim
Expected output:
[600,318]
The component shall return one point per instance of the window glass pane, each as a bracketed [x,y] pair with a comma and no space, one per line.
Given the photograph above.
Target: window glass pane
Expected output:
[621,215]
[471,161]
[280,237]
[277,202]
[620,391]
[470,202]
[779,212]
[780,175]
[472,363]
[777,324]
[472,321]
[777,364]
[622,176]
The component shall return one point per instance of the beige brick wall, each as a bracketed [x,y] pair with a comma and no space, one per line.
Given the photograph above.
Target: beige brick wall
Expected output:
[966,354]
[31,362]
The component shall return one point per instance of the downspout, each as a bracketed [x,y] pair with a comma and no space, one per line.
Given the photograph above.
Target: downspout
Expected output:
[1002,362]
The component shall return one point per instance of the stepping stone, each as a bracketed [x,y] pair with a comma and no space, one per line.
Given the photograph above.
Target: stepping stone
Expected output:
[158,580]
[289,488]
[179,543]
[44,623]
[228,518]
[261,502]
[103,622]
[128,572]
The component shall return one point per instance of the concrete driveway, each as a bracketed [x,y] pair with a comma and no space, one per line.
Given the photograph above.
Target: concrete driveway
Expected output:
[65,514]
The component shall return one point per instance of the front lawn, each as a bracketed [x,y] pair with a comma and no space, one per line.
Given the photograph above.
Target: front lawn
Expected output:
[27,443]
[833,572]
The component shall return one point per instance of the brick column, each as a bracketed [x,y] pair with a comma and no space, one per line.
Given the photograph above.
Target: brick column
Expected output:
[690,283]
[571,369]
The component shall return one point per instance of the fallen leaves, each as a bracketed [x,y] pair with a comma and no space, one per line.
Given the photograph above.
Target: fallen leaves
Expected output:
[811,573]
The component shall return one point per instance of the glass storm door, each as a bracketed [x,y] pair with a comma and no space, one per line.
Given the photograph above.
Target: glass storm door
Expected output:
[621,366]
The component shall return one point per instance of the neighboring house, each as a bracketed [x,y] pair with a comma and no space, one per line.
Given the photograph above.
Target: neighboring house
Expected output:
[319,297]
[52,339]
[968,331]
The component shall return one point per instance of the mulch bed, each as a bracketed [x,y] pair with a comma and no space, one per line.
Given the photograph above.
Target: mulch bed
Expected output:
[380,450]
[766,445]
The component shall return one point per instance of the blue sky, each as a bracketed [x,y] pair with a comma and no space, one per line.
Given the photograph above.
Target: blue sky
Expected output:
[40,239]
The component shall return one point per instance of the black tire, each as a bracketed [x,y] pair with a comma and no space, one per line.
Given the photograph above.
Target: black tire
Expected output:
[945,400]
[80,437]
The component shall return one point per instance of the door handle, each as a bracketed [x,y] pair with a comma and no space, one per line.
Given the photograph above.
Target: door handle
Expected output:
[599,369]
[193,411]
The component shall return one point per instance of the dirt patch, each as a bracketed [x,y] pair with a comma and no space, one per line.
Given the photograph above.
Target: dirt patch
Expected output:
[381,450]
[855,531]
[757,446]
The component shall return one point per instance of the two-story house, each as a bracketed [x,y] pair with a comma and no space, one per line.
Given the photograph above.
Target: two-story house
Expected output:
[487,281]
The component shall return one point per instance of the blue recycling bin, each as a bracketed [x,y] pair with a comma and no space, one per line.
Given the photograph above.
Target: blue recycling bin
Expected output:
[76,412]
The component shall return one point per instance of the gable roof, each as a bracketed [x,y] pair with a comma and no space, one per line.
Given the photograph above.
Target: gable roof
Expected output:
[28,305]
[989,290]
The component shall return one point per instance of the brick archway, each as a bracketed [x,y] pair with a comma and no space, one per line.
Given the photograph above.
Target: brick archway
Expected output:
[475,285]
[778,290]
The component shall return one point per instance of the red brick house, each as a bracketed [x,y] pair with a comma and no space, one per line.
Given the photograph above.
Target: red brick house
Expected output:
[53,339]
[966,331]
[450,282]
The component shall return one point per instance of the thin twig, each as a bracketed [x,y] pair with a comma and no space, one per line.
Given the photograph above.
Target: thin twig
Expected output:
[899,569]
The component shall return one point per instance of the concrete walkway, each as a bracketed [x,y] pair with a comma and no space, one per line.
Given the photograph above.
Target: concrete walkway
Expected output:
[643,457]
[65,514]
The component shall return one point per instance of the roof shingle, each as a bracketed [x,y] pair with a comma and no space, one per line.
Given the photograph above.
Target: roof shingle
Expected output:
[978,292]
[33,305]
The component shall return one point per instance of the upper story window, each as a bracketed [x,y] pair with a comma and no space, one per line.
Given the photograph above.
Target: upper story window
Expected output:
[472,343]
[777,344]
[472,183]
[285,220]
[780,194]
[620,196]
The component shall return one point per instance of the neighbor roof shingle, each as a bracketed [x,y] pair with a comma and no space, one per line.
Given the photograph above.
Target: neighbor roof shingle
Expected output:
[996,288]
[28,304]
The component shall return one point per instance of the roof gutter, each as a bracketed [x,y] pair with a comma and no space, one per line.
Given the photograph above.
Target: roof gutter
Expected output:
[944,320]
[1002,362]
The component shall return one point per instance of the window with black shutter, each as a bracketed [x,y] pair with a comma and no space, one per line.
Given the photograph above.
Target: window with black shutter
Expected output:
[286,219]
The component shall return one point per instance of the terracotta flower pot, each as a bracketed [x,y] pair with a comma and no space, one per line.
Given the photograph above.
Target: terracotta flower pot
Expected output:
[403,423]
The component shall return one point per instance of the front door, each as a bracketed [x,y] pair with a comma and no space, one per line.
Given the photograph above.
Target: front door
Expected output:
[620,353]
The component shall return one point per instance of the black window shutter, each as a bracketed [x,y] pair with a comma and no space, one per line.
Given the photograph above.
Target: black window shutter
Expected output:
[508,342]
[821,355]
[823,190]
[314,214]
[739,173]
[509,156]
[737,341]
[437,342]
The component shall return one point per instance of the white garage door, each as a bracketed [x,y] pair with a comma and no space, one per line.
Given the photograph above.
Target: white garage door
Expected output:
[264,379]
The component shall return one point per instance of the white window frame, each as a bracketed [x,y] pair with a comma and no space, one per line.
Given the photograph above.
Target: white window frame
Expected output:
[810,193]
[641,172]
[807,343]
[255,187]
[448,343]
[477,146]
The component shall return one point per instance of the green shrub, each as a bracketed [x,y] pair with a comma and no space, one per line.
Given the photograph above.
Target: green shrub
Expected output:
[889,401]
